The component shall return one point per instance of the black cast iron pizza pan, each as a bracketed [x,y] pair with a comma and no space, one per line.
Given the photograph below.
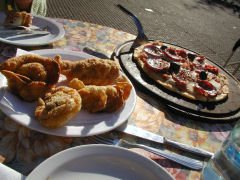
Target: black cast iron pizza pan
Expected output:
[226,110]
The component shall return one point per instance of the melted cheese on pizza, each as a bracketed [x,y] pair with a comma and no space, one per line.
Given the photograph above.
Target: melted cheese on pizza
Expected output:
[182,71]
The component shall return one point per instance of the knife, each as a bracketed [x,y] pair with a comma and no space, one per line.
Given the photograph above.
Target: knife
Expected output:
[15,32]
[22,33]
[136,131]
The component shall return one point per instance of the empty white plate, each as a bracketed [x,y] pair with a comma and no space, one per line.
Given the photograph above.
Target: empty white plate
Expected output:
[98,162]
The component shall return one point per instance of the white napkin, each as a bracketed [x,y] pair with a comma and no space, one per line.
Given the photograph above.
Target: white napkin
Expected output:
[7,173]
[22,52]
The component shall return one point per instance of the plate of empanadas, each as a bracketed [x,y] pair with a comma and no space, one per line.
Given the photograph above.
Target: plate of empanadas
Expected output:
[65,93]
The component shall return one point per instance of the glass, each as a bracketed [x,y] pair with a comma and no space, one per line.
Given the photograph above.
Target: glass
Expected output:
[226,162]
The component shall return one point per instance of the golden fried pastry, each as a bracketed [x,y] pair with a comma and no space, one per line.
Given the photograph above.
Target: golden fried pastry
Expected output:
[77,84]
[30,76]
[58,107]
[18,19]
[117,98]
[91,71]
[105,98]
[94,98]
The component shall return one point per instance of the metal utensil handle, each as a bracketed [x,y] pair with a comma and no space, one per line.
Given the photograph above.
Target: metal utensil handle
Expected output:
[189,148]
[135,19]
[236,45]
[185,161]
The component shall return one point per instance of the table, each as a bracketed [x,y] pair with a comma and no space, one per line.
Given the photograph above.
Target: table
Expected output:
[18,144]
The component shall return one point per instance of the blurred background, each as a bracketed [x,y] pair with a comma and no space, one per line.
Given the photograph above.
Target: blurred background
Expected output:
[209,27]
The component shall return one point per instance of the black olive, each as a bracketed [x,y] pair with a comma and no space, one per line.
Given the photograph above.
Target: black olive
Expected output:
[163,47]
[203,75]
[174,67]
[191,56]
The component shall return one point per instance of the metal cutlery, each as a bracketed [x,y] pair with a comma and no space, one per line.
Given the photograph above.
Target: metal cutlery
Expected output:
[141,37]
[235,47]
[136,131]
[17,32]
[9,36]
[31,28]
[25,35]
[185,161]
[11,32]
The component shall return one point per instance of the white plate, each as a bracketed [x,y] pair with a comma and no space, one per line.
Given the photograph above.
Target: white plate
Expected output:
[83,124]
[101,162]
[56,33]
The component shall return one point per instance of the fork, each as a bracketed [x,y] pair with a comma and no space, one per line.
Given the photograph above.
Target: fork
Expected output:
[141,37]
[185,161]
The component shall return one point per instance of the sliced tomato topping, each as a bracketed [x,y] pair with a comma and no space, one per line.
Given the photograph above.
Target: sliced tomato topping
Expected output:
[153,50]
[181,53]
[181,79]
[157,64]
[211,69]
[200,91]
[206,85]
[206,88]
[197,68]
[181,85]
[172,55]
[200,59]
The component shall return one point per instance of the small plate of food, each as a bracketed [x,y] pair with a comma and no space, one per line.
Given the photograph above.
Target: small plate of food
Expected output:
[39,30]
[65,93]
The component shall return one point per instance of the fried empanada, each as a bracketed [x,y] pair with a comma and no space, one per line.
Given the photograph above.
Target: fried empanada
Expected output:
[77,84]
[105,98]
[94,98]
[58,107]
[30,76]
[91,71]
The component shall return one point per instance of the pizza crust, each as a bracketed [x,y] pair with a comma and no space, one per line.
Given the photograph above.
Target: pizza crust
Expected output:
[168,84]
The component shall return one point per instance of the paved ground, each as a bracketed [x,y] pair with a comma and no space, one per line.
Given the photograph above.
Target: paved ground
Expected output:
[210,27]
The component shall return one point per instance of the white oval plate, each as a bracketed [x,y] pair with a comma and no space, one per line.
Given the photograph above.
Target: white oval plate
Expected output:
[56,33]
[82,124]
[101,162]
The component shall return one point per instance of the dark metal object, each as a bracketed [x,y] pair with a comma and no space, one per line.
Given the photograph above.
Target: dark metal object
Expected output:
[236,45]
[141,37]
[226,110]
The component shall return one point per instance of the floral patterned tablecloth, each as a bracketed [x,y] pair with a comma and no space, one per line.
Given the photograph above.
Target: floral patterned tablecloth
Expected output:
[23,149]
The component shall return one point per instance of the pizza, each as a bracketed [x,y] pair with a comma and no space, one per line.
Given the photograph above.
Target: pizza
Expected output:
[181,71]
